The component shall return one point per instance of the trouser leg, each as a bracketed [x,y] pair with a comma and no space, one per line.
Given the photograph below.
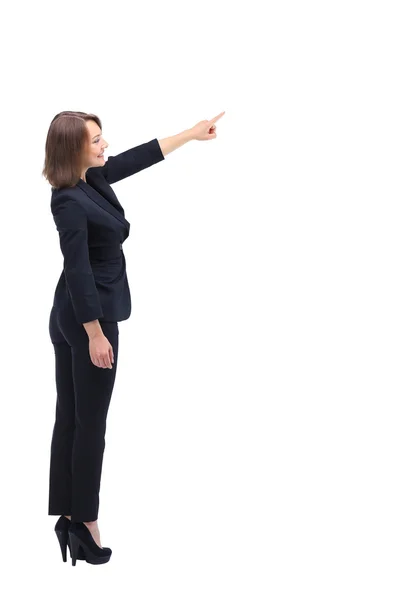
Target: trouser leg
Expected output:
[60,484]
[93,389]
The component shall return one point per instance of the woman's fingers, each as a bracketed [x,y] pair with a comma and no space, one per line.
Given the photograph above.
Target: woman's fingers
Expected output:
[101,352]
[95,360]
[217,117]
[107,361]
[103,362]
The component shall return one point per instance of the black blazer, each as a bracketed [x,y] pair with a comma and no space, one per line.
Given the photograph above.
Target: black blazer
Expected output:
[92,228]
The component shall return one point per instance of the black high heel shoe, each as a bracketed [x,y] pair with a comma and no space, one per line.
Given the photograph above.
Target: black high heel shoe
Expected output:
[61,528]
[81,538]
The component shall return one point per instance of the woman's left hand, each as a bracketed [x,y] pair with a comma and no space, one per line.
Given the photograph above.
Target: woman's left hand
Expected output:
[206,130]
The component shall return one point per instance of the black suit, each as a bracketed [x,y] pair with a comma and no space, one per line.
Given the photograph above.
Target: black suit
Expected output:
[93,285]
[92,228]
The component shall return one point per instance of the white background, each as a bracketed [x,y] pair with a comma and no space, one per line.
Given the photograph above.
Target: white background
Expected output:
[252,445]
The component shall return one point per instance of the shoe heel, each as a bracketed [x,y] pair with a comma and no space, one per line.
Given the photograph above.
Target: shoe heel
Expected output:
[74,545]
[62,538]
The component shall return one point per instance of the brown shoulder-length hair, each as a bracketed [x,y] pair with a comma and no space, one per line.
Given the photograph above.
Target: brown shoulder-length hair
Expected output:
[67,142]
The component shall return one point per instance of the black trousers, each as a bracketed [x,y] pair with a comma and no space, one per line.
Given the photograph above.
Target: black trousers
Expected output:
[83,397]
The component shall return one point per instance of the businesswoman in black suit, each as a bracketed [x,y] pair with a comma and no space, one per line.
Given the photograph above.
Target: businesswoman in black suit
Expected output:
[92,295]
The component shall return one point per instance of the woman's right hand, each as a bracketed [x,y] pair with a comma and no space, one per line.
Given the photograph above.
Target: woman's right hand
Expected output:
[101,352]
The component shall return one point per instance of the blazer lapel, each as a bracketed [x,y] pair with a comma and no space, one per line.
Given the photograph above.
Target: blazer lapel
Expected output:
[107,204]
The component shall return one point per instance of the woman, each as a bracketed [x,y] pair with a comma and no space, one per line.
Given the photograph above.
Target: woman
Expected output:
[91,297]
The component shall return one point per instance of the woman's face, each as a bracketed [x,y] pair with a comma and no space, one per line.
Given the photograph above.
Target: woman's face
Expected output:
[97,144]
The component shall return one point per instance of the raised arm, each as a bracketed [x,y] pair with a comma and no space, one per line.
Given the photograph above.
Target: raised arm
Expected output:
[132,161]
[202,131]
[173,142]
[143,156]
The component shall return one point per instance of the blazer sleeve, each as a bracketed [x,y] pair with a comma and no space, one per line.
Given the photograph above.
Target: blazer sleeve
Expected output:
[132,161]
[71,222]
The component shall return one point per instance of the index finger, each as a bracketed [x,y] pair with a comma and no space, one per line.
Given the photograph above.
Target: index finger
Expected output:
[217,117]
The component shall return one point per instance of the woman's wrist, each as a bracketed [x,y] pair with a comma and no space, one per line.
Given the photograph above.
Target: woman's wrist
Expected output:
[93,329]
[173,142]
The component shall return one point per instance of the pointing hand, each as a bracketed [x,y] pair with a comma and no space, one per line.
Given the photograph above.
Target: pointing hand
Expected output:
[206,130]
